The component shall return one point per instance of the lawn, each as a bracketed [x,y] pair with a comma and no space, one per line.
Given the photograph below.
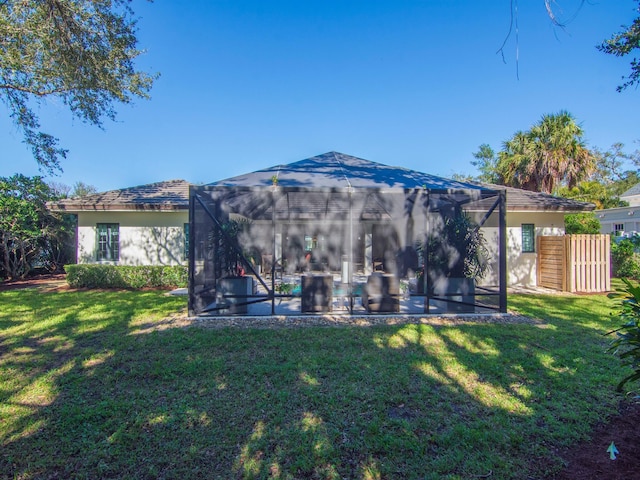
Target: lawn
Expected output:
[89,389]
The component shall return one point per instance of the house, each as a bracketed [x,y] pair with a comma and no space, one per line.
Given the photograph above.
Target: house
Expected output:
[149,224]
[622,221]
[143,225]
[530,215]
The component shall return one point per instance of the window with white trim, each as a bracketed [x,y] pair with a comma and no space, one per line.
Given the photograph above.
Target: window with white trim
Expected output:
[618,228]
[108,241]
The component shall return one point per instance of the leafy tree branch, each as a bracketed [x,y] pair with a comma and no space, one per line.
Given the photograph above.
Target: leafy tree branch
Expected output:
[80,52]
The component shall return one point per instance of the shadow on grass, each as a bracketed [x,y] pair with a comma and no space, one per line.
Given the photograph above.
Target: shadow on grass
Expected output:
[82,396]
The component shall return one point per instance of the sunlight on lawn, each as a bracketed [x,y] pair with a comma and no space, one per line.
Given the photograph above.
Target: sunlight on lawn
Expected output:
[445,367]
[308,379]
[27,400]
[97,359]
[485,347]
[249,463]
[370,470]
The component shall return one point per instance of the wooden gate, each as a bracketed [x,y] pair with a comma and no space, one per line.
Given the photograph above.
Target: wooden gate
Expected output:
[574,263]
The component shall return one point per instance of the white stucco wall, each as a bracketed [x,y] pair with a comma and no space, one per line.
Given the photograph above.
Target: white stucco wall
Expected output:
[521,266]
[633,200]
[157,238]
[146,238]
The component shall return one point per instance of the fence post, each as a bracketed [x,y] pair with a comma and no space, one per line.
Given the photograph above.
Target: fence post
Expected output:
[568,274]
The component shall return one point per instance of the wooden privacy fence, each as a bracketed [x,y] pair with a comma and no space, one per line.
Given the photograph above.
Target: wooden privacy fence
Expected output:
[575,263]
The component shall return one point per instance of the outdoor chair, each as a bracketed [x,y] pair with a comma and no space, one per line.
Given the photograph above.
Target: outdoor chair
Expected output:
[269,268]
[381,294]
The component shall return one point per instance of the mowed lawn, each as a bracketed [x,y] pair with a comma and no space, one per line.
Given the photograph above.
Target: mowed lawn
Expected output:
[90,387]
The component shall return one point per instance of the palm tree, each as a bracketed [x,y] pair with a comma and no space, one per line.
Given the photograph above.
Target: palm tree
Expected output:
[549,155]
[513,161]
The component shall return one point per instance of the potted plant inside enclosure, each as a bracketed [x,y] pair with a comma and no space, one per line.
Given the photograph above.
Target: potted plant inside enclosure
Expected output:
[233,286]
[456,257]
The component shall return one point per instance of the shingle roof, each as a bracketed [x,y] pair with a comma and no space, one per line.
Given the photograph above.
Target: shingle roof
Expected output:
[169,195]
[635,190]
[525,200]
[334,169]
[331,169]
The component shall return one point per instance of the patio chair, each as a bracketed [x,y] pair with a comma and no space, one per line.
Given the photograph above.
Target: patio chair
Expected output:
[381,294]
[269,268]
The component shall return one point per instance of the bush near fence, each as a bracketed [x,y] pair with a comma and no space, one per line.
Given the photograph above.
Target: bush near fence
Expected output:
[625,257]
[126,276]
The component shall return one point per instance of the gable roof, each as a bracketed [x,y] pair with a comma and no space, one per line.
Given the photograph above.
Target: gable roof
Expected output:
[635,190]
[171,195]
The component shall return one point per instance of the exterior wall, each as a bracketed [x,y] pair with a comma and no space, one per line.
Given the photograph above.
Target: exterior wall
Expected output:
[157,238]
[146,238]
[521,266]
[634,200]
[628,216]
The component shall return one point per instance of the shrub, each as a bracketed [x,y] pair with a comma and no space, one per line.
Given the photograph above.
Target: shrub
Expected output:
[627,342]
[125,276]
[585,222]
[624,258]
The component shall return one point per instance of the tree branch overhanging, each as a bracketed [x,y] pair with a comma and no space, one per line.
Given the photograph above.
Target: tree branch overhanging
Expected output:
[80,52]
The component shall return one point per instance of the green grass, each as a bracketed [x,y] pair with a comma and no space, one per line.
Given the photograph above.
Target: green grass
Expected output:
[88,390]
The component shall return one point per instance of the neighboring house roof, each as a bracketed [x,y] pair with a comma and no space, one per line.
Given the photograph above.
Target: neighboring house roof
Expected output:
[632,196]
[329,170]
[170,195]
[635,190]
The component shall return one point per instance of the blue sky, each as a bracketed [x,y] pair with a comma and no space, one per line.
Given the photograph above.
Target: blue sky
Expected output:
[249,84]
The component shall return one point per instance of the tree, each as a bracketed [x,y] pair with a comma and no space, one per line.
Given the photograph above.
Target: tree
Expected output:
[486,161]
[609,180]
[623,43]
[585,222]
[78,52]
[29,233]
[552,153]
[610,164]
[22,209]
[592,191]
[81,189]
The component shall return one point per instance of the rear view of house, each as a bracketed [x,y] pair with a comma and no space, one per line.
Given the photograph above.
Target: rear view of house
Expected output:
[149,225]
[143,225]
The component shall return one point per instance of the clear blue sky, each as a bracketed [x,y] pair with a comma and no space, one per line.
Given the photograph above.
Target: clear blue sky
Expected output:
[249,84]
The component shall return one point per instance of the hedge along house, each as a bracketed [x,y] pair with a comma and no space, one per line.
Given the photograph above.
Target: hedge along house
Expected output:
[142,225]
[342,234]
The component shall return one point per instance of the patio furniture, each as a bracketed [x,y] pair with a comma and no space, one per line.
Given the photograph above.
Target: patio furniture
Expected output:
[269,268]
[381,294]
[233,293]
[316,293]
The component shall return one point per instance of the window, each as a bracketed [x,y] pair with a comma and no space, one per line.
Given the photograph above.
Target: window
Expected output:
[186,241]
[108,241]
[528,237]
[618,228]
